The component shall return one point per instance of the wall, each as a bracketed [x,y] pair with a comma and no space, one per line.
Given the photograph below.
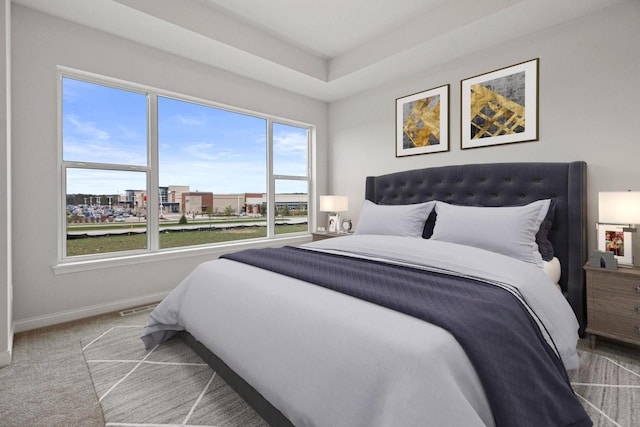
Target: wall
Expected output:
[40,44]
[6,327]
[589,94]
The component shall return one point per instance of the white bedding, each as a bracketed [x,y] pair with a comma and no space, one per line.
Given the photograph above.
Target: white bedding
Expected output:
[326,359]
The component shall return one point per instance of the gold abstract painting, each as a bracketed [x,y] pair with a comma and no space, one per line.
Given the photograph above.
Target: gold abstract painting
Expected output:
[500,107]
[422,122]
[421,125]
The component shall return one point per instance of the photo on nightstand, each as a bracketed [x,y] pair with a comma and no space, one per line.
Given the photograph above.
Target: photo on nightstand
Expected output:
[333,223]
[613,238]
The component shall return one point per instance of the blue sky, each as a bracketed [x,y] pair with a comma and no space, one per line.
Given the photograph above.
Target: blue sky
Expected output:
[206,148]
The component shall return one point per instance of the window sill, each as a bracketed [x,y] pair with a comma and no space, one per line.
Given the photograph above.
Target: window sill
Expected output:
[70,267]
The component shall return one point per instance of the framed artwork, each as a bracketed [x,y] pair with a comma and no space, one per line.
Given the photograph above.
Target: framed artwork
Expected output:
[613,238]
[500,107]
[333,224]
[422,122]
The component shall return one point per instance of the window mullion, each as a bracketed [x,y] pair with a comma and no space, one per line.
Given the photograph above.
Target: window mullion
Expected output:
[153,196]
[290,177]
[271,184]
[104,166]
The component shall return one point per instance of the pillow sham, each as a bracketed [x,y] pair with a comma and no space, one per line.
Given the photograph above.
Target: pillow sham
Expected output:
[509,230]
[394,220]
[542,236]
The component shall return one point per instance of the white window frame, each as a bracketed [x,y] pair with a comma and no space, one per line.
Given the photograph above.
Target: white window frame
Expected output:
[153,252]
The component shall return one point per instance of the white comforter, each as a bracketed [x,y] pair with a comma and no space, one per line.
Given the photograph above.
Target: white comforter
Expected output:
[326,359]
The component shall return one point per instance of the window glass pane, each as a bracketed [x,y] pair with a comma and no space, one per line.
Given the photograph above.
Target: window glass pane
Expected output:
[290,145]
[102,124]
[212,163]
[292,201]
[105,210]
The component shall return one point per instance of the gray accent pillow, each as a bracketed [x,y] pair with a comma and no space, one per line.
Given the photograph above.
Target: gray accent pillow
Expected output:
[509,230]
[542,237]
[394,220]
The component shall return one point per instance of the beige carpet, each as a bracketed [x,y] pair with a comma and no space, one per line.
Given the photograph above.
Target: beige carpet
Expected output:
[170,385]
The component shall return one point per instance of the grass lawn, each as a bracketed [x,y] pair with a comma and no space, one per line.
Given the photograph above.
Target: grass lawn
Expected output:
[173,239]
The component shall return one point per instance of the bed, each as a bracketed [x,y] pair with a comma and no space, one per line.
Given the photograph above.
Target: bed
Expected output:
[315,336]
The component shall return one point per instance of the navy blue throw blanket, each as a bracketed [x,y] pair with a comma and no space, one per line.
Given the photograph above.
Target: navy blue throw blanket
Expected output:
[525,382]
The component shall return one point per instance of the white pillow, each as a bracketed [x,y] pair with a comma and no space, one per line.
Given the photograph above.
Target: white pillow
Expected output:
[552,269]
[394,220]
[509,230]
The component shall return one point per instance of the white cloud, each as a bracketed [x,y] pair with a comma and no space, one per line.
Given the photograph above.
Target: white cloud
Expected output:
[191,120]
[290,143]
[207,151]
[87,129]
[85,141]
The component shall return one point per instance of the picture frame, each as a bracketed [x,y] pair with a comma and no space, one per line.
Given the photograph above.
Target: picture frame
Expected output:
[332,224]
[613,238]
[500,107]
[422,122]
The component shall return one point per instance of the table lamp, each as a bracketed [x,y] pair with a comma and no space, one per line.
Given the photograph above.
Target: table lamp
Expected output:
[334,205]
[619,207]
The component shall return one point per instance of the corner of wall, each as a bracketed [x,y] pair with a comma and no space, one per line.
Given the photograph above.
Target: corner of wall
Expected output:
[6,282]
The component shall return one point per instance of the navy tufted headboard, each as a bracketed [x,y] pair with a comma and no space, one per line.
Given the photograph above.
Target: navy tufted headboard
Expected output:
[506,184]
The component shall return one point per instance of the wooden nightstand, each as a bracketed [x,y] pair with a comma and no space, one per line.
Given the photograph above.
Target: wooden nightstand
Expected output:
[327,235]
[613,304]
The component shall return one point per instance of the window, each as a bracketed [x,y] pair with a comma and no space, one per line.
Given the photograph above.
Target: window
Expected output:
[136,159]
[290,167]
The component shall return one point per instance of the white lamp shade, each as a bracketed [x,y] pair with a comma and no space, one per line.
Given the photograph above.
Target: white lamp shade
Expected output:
[334,203]
[619,207]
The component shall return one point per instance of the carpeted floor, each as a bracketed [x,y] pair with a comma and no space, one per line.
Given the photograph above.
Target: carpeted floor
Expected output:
[177,388]
[72,374]
[167,385]
[48,382]
[609,388]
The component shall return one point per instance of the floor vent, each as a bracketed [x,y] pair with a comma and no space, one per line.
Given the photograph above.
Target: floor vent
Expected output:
[135,310]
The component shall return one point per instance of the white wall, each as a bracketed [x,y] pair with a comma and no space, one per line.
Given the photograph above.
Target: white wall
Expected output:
[40,44]
[589,109]
[6,330]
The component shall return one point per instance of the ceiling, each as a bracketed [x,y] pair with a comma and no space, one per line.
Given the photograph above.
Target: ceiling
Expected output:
[326,49]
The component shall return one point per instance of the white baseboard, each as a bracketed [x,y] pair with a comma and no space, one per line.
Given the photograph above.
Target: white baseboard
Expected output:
[84,312]
[5,358]
[7,355]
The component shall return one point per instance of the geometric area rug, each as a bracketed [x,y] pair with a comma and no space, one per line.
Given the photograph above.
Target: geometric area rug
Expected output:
[168,385]
[608,385]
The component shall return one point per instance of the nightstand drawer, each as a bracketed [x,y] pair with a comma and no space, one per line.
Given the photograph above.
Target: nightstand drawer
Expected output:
[614,326]
[615,303]
[627,286]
